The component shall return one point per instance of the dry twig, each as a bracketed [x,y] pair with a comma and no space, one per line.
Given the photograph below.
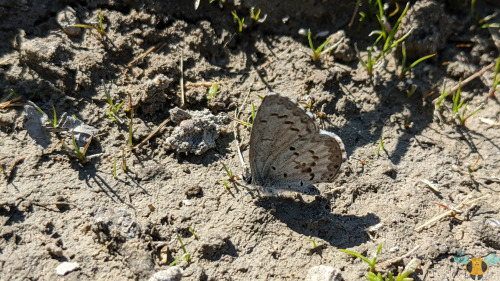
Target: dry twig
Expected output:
[467,81]
[154,132]
[450,212]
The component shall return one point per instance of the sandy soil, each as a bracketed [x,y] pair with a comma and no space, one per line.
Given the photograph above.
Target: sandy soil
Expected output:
[54,208]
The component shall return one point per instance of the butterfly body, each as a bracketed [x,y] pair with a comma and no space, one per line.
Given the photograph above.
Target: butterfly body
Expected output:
[288,152]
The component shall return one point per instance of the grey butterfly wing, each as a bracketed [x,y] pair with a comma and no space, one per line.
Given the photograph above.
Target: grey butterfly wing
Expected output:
[288,151]
[271,123]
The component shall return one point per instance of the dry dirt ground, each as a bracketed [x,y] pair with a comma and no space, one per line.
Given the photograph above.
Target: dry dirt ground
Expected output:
[54,208]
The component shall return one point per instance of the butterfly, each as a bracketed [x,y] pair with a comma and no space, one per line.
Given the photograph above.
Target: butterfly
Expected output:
[288,152]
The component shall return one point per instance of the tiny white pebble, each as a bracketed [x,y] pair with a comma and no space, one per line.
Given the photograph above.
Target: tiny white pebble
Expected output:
[66,267]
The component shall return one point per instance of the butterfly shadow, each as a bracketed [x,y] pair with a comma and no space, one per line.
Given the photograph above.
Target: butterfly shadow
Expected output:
[315,219]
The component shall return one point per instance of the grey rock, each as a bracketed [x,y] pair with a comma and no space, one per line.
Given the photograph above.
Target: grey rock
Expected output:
[489,231]
[49,58]
[431,28]
[66,18]
[213,244]
[178,115]
[33,123]
[323,273]
[109,223]
[174,273]
[344,51]
[197,134]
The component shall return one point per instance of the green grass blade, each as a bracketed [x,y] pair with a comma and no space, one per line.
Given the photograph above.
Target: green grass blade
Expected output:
[77,150]
[396,27]
[310,41]
[54,122]
[356,255]
[111,115]
[253,112]
[100,21]
[320,48]
[124,163]
[179,258]
[108,96]
[86,147]
[118,107]
[415,63]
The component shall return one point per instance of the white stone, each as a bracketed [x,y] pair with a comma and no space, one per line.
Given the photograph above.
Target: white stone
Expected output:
[323,273]
[66,267]
[174,273]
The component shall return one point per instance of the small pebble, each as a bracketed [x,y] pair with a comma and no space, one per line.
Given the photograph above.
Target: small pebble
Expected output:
[66,18]
[192,190]
[174,273]
[323,273]
[66,267]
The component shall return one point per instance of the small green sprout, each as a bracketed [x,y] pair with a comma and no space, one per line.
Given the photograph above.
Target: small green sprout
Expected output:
[473,15]
[496,79]
[412,90]
[441,98]
[314,243]
[225,183]
[247,124]
[124,164]
[371,263]
[362,18]
[457,105]
[186,254]
[37,108]
[254,15]
[408,124]
[253,112]
[231,177]
[402,276]
[380,146]
[382,20]
[405,69]
[389,43]
[113,110]
[213,91]
[240,21]
[99,29]
[77,153]
[491,25]
[221,1]
[317,53]
[54,121]
[192,231]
